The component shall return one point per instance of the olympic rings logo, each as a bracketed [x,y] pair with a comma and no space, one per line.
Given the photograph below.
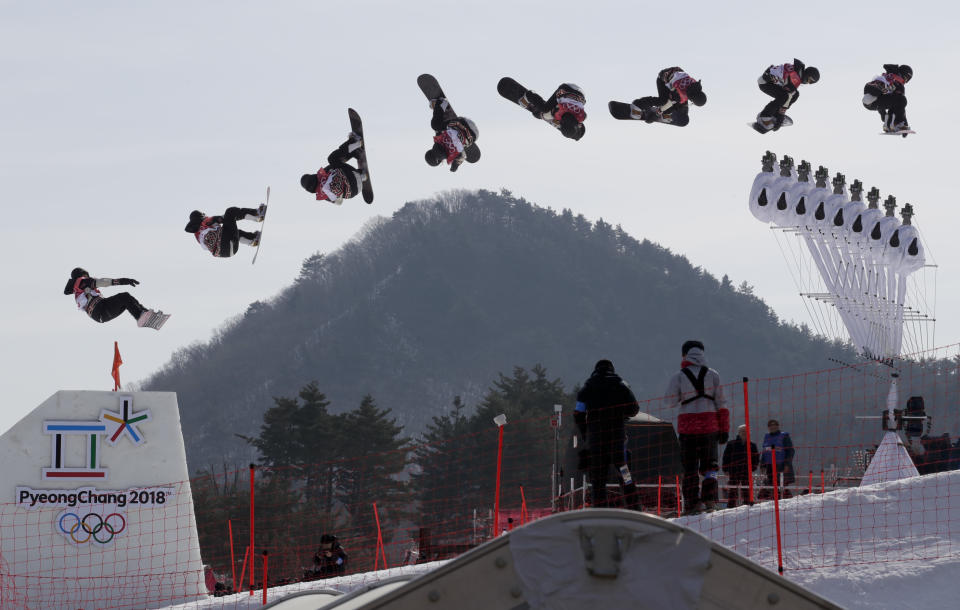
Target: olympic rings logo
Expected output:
[92,525]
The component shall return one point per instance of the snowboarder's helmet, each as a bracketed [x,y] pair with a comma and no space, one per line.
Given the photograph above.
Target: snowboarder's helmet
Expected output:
[196,217]
[696,95]
[309,182]
[570,127]
[78,272]
[689,345]
[810,75]
[472,127]
[906,72]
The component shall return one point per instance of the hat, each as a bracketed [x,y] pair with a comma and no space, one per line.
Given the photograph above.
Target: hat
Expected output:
[196,217]
[741,427]
[602,366]
[689,345]
[309,182]
[772,422]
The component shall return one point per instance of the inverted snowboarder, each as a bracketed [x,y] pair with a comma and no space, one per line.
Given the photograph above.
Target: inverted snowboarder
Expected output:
[675,88]
[456,136]
[85,291]
[564,109]
[781,82]
[886,94]
[219,235]
[339,180]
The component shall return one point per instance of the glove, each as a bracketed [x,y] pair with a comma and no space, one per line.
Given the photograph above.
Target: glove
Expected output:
[125,281]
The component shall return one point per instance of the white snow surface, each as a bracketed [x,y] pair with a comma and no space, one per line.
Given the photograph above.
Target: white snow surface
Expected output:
[889,545]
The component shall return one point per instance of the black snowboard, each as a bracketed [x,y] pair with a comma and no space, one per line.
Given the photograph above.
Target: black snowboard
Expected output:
[622,111]
[515,92]
[431,88]
[357,127]
[628,112]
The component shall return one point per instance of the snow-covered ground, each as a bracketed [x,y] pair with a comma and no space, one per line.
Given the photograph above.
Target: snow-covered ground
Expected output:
[890,545]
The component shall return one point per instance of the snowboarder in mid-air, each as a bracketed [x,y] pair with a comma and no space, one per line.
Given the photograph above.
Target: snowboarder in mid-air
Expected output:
[781,83]
[456,136]
[85,290]
[220,235]
[886,94]
[338,180]
[674,89]
[564,109]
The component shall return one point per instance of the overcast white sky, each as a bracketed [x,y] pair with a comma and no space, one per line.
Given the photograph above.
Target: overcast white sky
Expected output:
[119,118]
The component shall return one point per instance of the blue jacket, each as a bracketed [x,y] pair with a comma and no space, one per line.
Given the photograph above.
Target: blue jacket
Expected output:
[779,442]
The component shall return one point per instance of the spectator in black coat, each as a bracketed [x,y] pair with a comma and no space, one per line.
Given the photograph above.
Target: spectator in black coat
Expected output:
[937,454]
[603,406]
[330,559]
[735,466]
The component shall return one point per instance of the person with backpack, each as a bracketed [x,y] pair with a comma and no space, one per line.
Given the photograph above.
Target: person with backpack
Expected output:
[702,424]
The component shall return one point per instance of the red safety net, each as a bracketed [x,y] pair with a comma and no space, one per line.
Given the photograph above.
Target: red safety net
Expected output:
[435,500]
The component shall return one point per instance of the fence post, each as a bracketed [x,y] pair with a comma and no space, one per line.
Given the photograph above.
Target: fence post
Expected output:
[776,511]
[679,498]
[746,420]
[659,488]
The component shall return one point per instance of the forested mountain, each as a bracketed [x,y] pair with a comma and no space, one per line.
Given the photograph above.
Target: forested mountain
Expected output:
[434,302]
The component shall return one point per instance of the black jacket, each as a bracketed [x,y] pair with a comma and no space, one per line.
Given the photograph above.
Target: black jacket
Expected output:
[603,406]
[735,459]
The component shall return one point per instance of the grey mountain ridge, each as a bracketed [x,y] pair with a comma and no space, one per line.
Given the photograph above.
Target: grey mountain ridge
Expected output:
[435,301]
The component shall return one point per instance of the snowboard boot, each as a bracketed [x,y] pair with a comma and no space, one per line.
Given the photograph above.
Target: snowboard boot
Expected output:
[354,142]
[767,123]
[261,212]
[441,101]
[144,318]
[255,242]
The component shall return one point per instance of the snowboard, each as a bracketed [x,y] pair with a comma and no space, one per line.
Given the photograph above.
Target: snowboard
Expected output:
[156,320]
[903,132]
[260,243]
[432,90]
[515,92]
[624,112]
[357,127]
[787,122]
[627,112]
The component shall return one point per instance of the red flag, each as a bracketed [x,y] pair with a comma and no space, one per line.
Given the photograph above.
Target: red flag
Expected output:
[117,361]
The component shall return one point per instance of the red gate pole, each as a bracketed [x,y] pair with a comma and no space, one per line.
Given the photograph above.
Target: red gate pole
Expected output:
[233,561]
[523,507]
[822,483]
[659,487]
[746,419]
[252,467]
[776,511]
[264,577]
[380,549]
[243,571]
[500,420]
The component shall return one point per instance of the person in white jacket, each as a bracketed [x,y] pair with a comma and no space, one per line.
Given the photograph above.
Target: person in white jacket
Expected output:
[702,424]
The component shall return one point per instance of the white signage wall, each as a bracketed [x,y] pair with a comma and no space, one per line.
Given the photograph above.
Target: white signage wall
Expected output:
[95,505]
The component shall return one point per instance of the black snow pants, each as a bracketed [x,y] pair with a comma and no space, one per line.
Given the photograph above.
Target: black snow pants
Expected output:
[230,234]
[697,453]
[894,104]
[607,451]
[782,99]
[110,307]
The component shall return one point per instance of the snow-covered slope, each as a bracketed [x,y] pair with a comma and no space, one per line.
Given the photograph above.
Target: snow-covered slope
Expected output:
[890,545]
